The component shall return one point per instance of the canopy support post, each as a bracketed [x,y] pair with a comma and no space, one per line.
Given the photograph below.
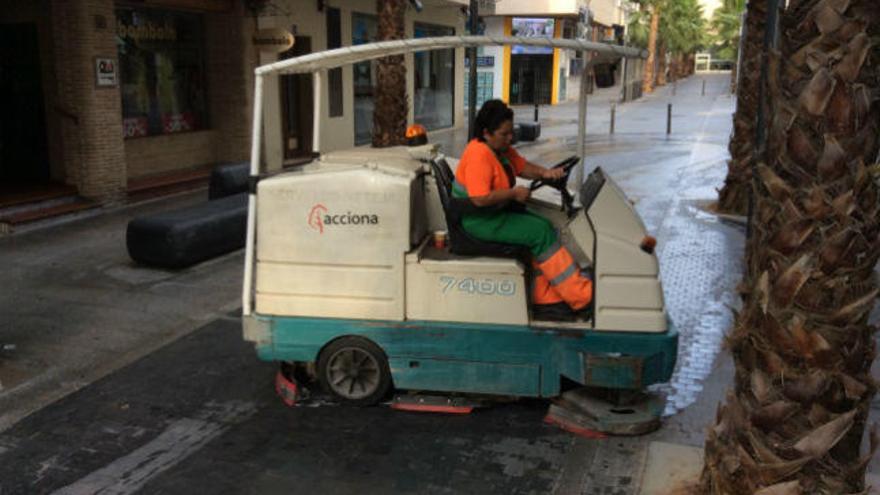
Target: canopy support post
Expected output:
[247,291]
[582,124]
[316,116]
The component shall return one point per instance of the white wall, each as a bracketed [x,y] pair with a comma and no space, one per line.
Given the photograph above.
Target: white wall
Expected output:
[537,7]
[495,27]
[338,132]
[606,12]
[709,7]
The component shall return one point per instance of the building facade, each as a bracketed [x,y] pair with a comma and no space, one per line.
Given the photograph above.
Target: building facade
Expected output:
[532,75]
[435,80]
[103,94]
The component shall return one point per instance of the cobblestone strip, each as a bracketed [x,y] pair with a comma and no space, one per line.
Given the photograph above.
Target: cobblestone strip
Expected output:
[701,263]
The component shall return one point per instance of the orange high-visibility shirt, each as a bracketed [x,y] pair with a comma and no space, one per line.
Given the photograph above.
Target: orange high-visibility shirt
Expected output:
[481,172]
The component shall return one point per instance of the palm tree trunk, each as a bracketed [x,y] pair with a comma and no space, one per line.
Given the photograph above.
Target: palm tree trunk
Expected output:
[661,69]
[391,102]
[801,344]
[734,196]
[648,76]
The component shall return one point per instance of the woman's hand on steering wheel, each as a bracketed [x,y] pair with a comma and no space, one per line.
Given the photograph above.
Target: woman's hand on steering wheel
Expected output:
[556,176]
[550,174]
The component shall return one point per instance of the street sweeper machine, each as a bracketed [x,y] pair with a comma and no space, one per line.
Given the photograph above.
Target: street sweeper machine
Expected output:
[357,267]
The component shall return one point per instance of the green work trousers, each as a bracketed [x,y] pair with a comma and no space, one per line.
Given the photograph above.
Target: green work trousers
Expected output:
[524,229]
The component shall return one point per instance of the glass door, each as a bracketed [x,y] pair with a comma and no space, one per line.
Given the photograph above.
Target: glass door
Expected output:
[23,156]
[434,105]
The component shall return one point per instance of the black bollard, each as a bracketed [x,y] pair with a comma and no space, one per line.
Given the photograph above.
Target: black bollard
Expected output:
[613,113]
[536,112]
[669,119]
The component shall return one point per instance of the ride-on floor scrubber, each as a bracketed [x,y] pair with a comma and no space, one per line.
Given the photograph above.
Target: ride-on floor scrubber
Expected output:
[342,272]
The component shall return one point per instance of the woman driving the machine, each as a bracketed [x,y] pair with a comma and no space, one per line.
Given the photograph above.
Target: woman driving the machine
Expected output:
[486,175]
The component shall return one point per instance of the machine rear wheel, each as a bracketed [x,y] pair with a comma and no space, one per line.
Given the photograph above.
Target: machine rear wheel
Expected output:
[354,370]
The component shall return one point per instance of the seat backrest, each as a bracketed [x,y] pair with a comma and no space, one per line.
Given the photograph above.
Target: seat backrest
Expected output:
[444,170]
[460,242]
[444,177]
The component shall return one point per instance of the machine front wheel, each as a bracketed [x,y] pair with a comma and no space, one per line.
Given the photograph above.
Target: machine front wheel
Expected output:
[354,370]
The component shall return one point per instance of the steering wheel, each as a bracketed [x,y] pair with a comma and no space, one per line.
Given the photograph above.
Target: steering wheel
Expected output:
[561,183]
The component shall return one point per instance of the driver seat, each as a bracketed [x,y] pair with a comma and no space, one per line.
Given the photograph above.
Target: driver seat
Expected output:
[460,242]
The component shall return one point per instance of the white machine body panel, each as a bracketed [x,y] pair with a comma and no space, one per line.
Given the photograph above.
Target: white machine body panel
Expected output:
[445,287]
[331,239]
[628,293]
[347,237]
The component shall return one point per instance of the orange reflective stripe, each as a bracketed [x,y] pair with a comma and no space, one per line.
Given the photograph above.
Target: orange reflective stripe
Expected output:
[542,291]
[554,265]
[553,249]
[576,290]
[564,277]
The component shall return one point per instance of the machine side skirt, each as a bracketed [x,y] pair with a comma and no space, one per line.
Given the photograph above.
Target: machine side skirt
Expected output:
[487,359]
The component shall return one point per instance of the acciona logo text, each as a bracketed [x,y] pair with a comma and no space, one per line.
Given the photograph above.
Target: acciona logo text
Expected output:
[320,218]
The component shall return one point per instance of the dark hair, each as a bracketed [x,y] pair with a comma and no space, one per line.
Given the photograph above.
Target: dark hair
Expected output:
[492,114]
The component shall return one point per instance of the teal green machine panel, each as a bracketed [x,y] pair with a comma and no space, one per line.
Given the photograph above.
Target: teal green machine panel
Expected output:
[466,376]
[493,359]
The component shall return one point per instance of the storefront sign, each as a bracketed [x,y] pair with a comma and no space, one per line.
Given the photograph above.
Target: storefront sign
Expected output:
[532,28]
[147,31]
[274,40]
[105,72]
[487,61]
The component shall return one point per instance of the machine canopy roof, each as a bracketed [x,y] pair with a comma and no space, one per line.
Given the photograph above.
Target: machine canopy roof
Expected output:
[352,54]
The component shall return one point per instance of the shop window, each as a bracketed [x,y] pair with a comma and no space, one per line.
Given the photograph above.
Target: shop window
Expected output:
[569,29]
[161,65]
[485,88]
[363,30]
[434,81]
[334,76]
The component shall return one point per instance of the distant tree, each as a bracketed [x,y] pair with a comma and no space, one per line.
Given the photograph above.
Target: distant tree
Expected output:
[675,27]
[725,26]
[682,31]
[638,27]
[644,28]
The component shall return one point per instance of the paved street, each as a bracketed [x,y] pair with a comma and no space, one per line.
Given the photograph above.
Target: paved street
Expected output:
[79,308]
[157,393]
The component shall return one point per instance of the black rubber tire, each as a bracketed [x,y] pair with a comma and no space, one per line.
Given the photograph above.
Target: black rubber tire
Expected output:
[357,346]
